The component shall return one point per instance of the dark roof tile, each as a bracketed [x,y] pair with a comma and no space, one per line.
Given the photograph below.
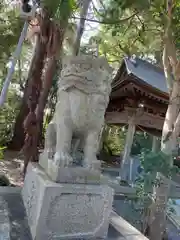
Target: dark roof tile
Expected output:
[147,72]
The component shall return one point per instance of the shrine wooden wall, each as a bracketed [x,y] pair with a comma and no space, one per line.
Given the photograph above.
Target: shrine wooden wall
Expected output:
[147,120]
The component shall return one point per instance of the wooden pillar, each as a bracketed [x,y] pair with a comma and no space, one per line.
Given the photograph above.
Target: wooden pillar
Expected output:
[155,144]
[128,146]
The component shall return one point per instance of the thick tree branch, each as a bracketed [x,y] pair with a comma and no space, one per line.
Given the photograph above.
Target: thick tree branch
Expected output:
[169,43]
[176,130]
[167,69]
[172,120]
[128,26]
[142,23]
[170,46]
[102,4]
[169,52]
[124,50]
[107,21]
[97,11]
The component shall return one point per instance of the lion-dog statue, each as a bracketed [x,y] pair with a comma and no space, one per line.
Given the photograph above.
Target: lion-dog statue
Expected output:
[83,96]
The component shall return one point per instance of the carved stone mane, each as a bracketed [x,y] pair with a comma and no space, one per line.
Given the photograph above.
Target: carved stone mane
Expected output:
[82,73]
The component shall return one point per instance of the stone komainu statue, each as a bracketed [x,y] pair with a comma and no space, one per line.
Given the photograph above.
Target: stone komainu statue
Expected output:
[83,96]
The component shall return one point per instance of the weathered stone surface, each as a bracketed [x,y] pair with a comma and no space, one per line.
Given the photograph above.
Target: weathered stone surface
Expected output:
[65,211]
[12,215]
[72,174]
[83,95]
[4,220]
[13,221]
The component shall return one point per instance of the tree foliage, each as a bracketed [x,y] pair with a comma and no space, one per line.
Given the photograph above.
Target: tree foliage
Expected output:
[141,34]
[114,141]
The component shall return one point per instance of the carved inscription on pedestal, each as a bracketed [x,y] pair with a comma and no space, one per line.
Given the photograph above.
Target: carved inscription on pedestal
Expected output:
[79,213]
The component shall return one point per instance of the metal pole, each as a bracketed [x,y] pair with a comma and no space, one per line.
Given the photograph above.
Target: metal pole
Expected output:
[13,64]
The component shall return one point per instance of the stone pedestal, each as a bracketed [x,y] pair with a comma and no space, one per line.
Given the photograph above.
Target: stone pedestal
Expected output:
[65,210]
[72,174]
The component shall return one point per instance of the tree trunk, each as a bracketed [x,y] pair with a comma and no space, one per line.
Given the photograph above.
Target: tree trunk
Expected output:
[18,138]
[58,38]
[52,36]
[48,77]
[34,88]
[169,143]
[51,65]
[171,130]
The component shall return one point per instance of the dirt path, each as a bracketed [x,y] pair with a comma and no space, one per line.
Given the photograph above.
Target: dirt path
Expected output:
[11,166]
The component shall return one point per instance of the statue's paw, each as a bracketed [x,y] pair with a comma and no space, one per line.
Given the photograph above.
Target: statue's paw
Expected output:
[50,152]
[63,159]
[87,164]
[92,165]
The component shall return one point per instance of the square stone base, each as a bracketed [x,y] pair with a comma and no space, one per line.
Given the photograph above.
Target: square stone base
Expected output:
[65,211]
[73,174]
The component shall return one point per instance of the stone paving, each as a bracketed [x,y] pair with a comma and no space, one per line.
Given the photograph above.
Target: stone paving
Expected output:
[13,222]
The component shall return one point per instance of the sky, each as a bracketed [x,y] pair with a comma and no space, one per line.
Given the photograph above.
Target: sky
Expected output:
[91,28]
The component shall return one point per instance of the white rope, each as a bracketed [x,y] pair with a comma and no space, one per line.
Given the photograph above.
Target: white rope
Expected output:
[13,64]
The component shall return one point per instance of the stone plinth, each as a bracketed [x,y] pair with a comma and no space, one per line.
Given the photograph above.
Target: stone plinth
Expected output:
[65,211]
[72,174]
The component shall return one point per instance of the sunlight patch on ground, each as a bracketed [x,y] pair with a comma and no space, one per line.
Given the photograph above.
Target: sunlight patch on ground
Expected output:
[11,167]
